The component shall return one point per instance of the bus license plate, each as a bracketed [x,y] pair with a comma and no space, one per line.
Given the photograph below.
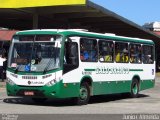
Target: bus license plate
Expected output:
[29,93]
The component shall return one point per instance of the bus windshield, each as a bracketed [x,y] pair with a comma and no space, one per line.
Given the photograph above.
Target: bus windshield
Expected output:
[35,55]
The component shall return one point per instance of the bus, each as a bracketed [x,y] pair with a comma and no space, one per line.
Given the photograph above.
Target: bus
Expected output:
[78,64]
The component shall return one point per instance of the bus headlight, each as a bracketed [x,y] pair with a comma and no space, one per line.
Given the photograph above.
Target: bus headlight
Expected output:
[50,83]
[9,81]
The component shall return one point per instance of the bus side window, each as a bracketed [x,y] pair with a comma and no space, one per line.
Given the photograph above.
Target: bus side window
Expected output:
[88,50]
[135,53]
[148,54]
[106,51]
[121,52]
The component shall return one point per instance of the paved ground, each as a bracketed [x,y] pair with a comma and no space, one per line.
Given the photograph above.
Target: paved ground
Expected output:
[148,102]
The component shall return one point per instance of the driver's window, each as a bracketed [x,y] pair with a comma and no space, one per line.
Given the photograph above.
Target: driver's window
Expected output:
[71,53]
[70,56]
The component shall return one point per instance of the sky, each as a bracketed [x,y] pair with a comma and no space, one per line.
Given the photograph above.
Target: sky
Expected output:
[138,11]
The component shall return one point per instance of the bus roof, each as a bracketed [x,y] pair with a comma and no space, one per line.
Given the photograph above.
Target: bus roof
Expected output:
[84,33]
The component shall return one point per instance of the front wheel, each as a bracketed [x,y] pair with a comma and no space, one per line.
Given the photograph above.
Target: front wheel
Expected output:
[135,88]
[84,94]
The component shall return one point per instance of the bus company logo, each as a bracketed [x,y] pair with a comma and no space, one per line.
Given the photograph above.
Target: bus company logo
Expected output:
[35,82]
[112,70]
[29,82]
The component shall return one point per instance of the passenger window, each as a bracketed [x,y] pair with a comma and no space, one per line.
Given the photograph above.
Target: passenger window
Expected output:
[106,51]
[88,50]
[148,56]
[135,53]
[121,52]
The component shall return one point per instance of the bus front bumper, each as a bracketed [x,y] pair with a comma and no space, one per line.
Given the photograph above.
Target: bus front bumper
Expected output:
[58,90]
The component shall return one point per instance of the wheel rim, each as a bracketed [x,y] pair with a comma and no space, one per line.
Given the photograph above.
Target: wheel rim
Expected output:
[83,93]
[135,89]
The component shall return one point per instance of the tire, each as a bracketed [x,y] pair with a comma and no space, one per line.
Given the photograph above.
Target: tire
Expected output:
[39,100]
[84,94]
[134,88]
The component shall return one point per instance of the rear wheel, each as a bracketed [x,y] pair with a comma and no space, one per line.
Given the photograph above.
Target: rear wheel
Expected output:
[135,88]
[84,94]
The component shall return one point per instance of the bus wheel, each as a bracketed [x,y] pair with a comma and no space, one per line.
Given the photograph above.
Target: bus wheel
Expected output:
[39,100]
[84,94]
[134,88]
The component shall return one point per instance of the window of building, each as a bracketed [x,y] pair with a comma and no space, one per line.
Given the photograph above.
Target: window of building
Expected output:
[106,51]
[121,52]
[135,53]
[148,54]
[88,50]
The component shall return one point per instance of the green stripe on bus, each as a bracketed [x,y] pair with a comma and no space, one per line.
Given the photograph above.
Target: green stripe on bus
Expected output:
[132,70]
[89,69]
[103,36]
[58,90]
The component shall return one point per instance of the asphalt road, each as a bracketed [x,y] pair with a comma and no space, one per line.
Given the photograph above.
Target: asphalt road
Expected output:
[148,102]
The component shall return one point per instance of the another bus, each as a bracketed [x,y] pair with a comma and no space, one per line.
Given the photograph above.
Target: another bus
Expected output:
[78,64]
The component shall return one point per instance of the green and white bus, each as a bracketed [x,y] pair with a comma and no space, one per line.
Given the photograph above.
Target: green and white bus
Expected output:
[78,64]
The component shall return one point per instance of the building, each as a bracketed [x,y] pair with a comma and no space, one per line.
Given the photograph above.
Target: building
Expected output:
[5,37]
[153,26]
